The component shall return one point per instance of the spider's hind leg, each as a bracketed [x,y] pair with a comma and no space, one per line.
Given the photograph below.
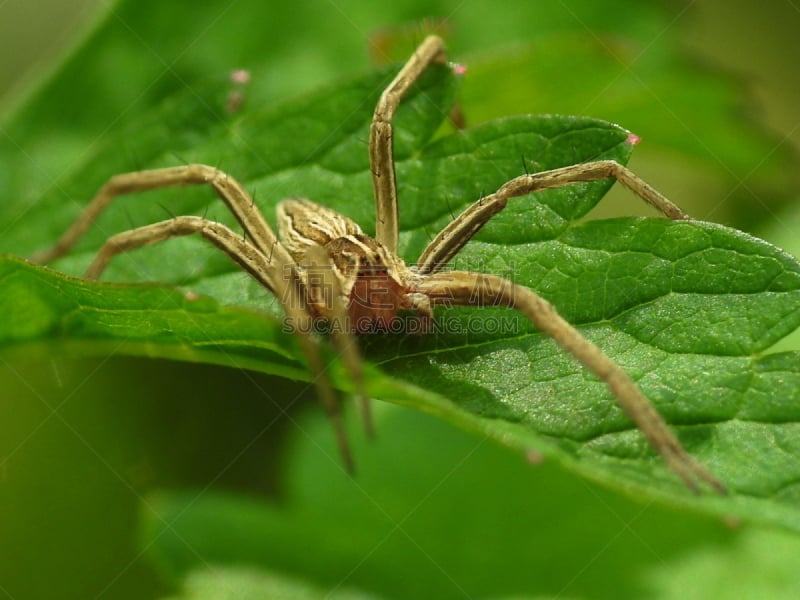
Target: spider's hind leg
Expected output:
[480,289]
[449,242]
[381,157]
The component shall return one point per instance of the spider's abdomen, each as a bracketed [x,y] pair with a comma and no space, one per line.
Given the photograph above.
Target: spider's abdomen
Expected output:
[374,302]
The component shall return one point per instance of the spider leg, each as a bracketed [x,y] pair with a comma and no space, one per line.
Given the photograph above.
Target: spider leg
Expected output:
[227,188]
[454,236]
[460,287]
[281,278]
[381,158]
[322,281]
[262,256]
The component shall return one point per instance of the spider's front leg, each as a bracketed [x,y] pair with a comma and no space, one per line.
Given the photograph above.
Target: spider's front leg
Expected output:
[479,289]
[258,252]
[227,188]
[327,288]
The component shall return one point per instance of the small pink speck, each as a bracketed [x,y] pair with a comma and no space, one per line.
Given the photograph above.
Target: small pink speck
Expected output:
[240,76]
[534,457]
[632,139]
[459,69]
[191,296]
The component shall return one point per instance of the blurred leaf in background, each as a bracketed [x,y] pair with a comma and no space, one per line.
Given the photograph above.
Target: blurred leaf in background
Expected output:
[84,442]
[487,525]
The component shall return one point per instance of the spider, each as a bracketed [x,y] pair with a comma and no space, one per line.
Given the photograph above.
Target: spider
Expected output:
[323,267]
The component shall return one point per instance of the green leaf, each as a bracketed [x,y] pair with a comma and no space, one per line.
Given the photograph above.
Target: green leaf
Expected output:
[467,518]
[686,308]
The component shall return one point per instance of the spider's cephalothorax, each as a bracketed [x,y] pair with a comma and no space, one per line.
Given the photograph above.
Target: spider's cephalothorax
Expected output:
[325,267]
[373,283]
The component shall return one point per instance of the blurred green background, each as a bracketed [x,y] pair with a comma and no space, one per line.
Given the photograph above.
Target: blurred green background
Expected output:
[83,443]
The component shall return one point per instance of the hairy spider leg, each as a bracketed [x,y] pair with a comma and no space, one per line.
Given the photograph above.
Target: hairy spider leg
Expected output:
[259,253]
[479,289]
[444,247]
[381,152]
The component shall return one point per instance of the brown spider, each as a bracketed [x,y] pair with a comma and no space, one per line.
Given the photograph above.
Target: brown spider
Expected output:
[364,283]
